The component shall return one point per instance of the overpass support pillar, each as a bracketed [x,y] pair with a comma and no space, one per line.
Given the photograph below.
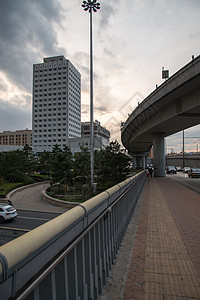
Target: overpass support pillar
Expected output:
[139,160]
[159,154]
[134,162]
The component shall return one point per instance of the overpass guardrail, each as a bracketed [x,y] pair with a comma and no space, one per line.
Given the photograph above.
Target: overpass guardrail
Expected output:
[70,256]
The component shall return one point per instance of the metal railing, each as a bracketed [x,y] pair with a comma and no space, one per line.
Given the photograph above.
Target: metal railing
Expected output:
[70,256]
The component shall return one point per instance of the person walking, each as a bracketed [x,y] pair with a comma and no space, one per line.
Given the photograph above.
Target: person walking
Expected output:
[151,172]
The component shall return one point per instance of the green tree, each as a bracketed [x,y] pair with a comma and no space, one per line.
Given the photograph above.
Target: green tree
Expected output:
[82,164]
[29,159]
[44,162]
[111,164]
[12,166]
[61,164]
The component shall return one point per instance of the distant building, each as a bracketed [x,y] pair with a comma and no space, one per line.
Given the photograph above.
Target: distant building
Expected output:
[101,137]
[13,140]
[56,113]
[99,130]
[76,143]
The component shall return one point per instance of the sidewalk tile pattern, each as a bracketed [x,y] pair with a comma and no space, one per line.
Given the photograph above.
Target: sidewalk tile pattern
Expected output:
[166,255]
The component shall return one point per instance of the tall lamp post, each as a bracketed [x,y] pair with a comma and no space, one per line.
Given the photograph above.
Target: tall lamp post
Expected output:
[90,6]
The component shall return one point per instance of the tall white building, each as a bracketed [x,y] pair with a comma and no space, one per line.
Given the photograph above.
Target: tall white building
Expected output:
[56,113]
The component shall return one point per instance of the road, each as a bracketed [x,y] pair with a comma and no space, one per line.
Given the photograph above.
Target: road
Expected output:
[29,220]
[25,221]
[32,210]
[191,183]
[31,199]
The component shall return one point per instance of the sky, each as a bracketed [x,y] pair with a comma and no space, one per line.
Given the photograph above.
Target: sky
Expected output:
[132,41]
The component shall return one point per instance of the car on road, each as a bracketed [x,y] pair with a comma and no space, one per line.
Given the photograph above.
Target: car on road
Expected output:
[178,169]
[186,169]
[194,172]
[171,170]
[7,212]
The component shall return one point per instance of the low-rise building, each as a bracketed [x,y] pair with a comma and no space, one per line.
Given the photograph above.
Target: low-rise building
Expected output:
[13,140]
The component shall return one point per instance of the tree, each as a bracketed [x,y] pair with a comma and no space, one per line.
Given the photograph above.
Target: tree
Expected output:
[44,162]
[111,164]
[29,159]
[82,164]
[61,164]
[12,166]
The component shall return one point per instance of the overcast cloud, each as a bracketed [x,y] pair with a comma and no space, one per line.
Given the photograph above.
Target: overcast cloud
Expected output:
[133,40]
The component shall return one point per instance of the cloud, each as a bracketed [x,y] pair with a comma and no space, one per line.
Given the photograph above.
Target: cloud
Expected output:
[19,116]
[191,139]
[27,30]
[3,87]
[107,11]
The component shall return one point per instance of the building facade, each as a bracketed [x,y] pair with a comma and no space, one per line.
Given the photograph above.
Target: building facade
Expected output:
[13,140]
[99,131]
[75,144]
[56,111]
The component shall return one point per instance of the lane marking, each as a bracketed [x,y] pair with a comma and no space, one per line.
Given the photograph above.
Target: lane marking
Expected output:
[12,228]
[39,219]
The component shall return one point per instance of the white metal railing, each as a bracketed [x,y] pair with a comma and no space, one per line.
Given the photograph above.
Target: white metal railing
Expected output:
[70,256]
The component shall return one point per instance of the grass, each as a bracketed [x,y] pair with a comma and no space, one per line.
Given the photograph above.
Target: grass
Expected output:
[5,188]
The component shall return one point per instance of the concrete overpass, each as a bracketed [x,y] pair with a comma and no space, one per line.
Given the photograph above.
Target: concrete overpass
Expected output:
[173,106]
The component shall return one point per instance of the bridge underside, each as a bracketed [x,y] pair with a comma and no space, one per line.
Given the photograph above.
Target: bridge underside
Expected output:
[172,107]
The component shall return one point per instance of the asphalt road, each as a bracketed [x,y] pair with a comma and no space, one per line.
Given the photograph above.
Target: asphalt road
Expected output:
[191,183]
[29,220]
[32,211]
[25,221]
[31,199]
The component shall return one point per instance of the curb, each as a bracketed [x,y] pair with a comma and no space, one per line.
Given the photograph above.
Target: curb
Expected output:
[21,188]
[57,202]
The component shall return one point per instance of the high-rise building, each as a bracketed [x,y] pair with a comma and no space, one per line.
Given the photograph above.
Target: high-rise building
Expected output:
[56,113]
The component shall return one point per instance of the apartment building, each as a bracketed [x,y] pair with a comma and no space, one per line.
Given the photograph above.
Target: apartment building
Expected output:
[56,111]
[16,138]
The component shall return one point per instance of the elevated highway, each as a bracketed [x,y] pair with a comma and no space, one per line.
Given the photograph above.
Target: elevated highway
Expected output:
[173,106]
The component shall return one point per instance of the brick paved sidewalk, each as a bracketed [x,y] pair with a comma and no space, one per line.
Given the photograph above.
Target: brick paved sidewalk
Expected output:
[165,263]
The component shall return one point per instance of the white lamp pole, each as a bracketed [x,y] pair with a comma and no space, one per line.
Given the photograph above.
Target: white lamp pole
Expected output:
[91,6]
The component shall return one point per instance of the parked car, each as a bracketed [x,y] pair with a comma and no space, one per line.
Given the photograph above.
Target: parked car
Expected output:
[178,169]
[194,172]
[7,212]
[186,169]
[171,170]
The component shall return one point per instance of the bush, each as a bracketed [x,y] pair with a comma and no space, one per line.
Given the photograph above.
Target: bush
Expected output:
[39,178]
[104,186]
[5,188]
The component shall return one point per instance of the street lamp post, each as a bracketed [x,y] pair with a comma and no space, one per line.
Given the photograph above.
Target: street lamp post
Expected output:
[90,6]
[183,149]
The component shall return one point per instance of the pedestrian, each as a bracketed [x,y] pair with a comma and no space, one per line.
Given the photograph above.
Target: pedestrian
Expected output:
[10,203]
[150,172]
[147,173]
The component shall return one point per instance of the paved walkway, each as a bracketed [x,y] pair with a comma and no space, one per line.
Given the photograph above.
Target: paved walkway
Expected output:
[164,258]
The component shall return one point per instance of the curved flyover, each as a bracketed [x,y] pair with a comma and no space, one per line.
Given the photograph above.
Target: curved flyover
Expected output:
[173,106]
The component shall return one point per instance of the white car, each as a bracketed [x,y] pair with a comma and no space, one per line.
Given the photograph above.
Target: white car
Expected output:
[7,212]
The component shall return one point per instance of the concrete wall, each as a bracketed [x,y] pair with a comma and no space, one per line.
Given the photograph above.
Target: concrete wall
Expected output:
[190,161]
